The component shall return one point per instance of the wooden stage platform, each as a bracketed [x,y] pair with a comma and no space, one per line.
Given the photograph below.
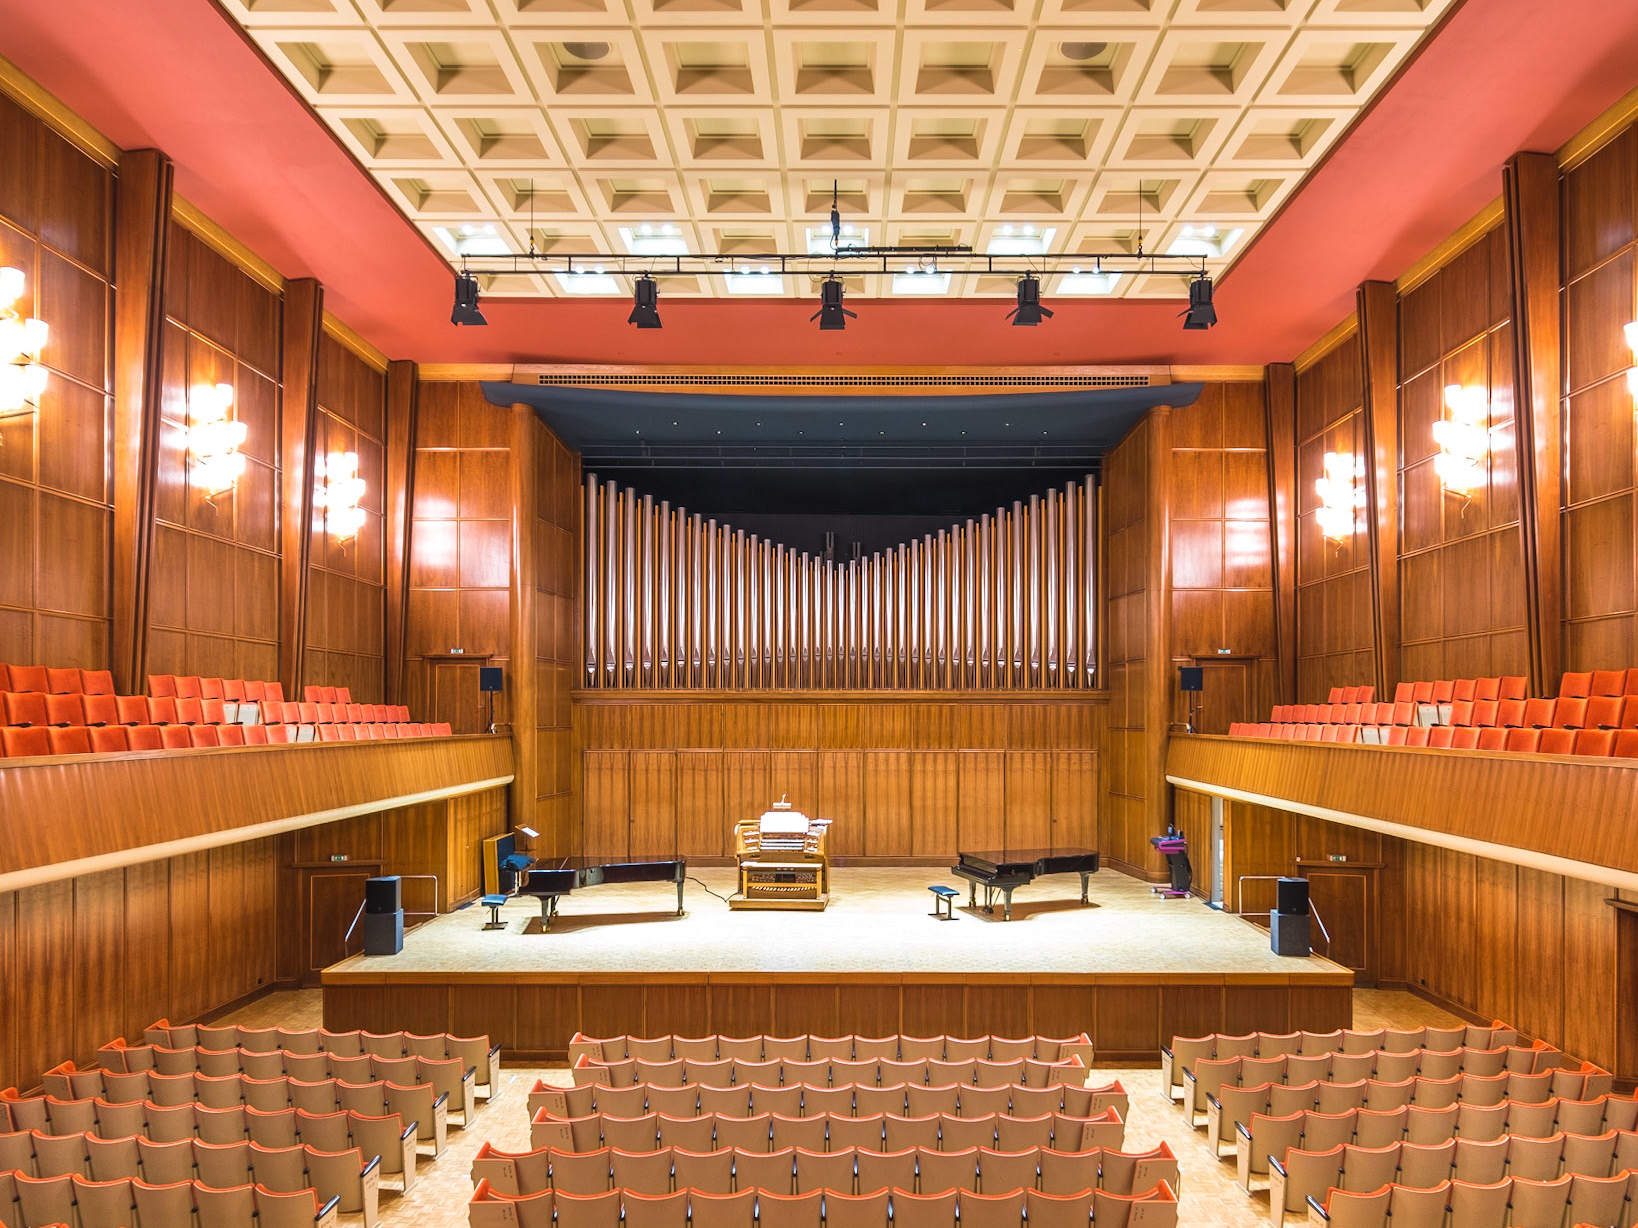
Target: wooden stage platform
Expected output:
[1131,969]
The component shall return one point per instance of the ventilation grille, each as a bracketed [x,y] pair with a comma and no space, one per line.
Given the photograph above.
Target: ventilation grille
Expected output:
[577,379]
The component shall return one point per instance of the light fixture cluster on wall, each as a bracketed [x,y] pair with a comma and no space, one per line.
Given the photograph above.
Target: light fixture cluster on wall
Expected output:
[1342,493]
[1463,436]
[214,439]
[22,378]
[340,492]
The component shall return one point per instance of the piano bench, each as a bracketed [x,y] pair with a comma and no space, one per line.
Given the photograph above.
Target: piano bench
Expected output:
[494,903]
[943,902]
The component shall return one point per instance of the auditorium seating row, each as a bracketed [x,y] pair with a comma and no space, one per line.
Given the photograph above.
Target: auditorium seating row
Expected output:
[1266,1135]
[1589,1202]
[724,1072]
[829,1048]
[1597,743]
[828,1132]
[1537,1065]
[346,1177]
[34,742]
[58,1202]
[47,681]
[1179,1057]
[1306,1175]
[482,1058]
[30,708]
[420,1104]
[796,1170]
[1566,712]
[96,1152]
[899,1208]
[847,1100]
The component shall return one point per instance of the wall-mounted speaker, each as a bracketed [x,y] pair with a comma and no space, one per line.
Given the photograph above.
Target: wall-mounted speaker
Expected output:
[383,895]
[1191,677]
[491,679]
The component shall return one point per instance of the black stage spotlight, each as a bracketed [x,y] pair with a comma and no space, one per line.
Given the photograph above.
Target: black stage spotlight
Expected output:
[1029,310]
[832,316]
[645,306]
[466,301]
[1201,314]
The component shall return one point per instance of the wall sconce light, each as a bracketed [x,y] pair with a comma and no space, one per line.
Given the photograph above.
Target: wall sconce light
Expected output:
[1463,436]
[22,378]
[214,439]
[1340,495]
[1632,371]
[339,494]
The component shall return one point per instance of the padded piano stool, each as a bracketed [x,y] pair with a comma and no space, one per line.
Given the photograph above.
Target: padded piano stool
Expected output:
[494,903]
[943,902]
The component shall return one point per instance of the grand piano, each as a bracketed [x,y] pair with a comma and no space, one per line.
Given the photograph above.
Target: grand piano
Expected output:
[1004,871]
[550,885]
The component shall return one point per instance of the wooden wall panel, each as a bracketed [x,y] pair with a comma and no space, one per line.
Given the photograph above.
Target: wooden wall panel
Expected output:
[460,554]
[555,575]
[346,614]
[1334,635]
[214,586]
[606,804]
[840,797]
[653,804]
[56,496]
[1222,572]
[889,830]
[981,800]
[934,790]
[702,831]
[1460,562]
[1600,525]
[1028,806]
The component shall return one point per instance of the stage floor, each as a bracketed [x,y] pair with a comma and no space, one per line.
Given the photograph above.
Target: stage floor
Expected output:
[877,922]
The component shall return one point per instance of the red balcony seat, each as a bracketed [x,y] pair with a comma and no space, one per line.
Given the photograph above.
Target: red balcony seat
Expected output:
[203,735]
[132,709]
[1570,713]
[1607,682]
[1514,687]
[25,741]
[1576,686]
[1441,737]
[212,712]
[63,710]
[1556,742]
[108,739]
[1605,711]
[174,737]
[1416,735]
[255,735]
[1487,688]
[162,711]
[64,682]
[1524,741]
[1538,713]
[30,678]
[210,688]
[1626,744]
[101,710]
[75,740]
[1493,738]
[144,737]
[190,712]
[1594,742]
[1510,713]
[187,687]
[1335,697]
[25,708]
[162,684]
[96,682]
[1465,739]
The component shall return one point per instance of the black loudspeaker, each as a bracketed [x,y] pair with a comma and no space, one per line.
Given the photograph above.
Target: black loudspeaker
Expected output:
[383,895]
[1191,677]
[1293,897]
[383,932]
[490,678]
[1288,933]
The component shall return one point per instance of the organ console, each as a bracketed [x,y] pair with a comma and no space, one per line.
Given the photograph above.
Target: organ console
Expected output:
[782,861]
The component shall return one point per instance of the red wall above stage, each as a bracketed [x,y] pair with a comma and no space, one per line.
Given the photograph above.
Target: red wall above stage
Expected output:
[1501,75]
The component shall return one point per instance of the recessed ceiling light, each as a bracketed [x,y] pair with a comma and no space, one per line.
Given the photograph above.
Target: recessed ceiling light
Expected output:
[1082,51]
[587,51]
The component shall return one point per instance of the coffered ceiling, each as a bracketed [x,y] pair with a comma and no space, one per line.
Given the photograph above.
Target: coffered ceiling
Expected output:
[721,125]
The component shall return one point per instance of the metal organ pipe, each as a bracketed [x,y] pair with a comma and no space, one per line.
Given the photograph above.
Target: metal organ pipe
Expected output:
[1005,600]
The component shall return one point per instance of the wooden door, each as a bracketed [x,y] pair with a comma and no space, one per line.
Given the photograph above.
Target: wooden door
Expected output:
[457,699]
[606,804]
[330,897]
[653,808]
[1229,695]
[1343,901]
[1074,799]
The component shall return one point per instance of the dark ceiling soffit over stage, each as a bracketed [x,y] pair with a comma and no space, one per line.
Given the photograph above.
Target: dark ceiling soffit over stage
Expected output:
[696,430]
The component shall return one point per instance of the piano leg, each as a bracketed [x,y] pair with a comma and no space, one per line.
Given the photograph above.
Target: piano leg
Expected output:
[679,897]
[1006,910]
[1084,900]
[972,894]
[548,910]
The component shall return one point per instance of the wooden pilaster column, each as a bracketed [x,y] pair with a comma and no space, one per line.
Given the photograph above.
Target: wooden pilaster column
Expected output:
[1157,718]
[303,325]
[1280,407]
[1530,194]
[142,216]
[400,510]
[524,701]
[1379,349]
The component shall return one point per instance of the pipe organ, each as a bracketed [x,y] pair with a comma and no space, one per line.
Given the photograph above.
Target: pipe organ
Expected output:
[1006,601]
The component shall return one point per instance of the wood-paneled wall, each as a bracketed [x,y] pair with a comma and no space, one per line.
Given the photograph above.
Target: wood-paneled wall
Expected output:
[104,955]
[1334,640]
[901,779]
[1222,578]
[56,486]
[1600,540]
[214,587]
[1130,537]
[556,628]
[1460,561]
[460,569]
[345,614]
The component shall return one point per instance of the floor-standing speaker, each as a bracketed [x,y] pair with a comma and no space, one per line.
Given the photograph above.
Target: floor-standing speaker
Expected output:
[383,915]
[1288,923]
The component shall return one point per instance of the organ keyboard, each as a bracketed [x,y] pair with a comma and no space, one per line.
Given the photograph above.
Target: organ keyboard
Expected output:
[782,861]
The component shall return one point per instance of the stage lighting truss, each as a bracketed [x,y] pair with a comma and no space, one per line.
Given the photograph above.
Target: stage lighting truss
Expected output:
[844,261]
